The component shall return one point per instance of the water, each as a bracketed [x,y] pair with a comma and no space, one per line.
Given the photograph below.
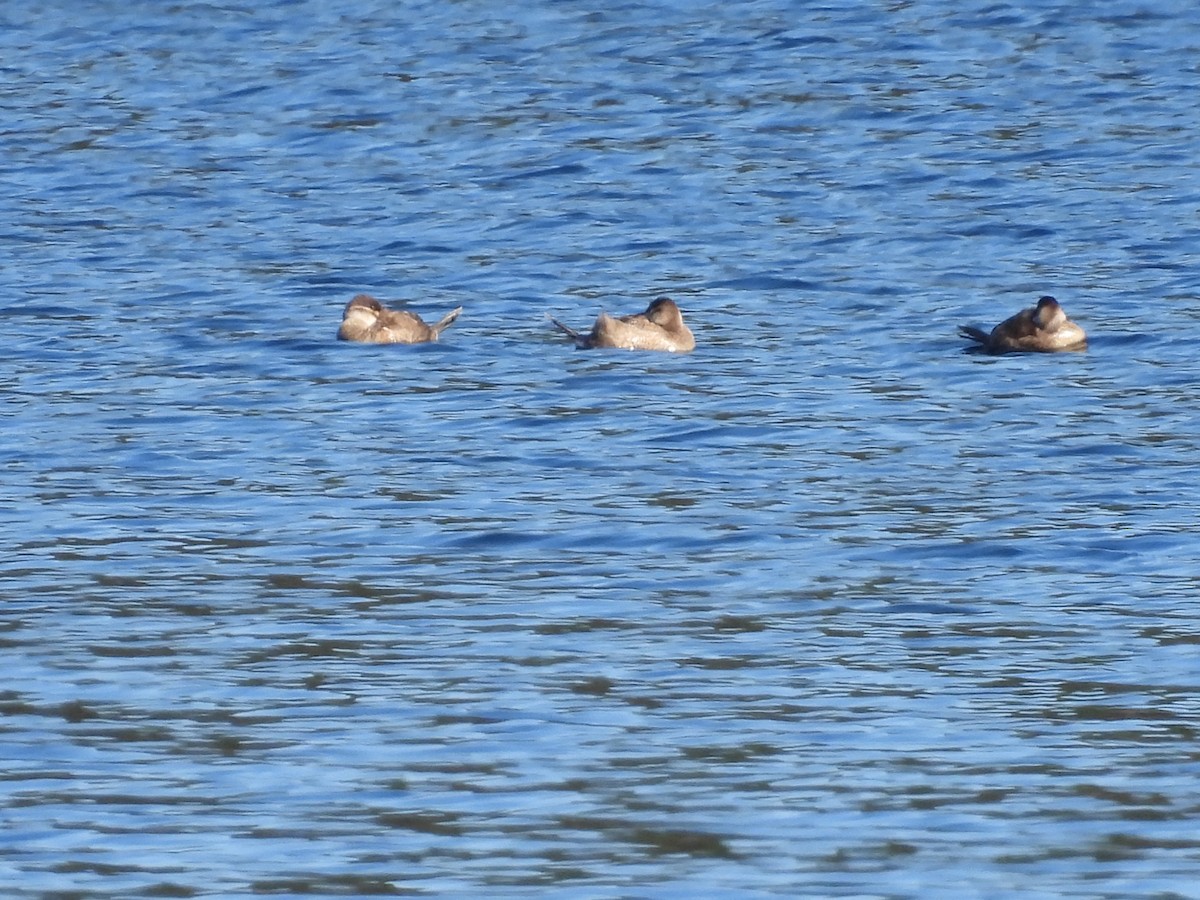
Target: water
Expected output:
[826,608]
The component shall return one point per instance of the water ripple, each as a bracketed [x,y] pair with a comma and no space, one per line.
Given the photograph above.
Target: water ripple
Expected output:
[285,615]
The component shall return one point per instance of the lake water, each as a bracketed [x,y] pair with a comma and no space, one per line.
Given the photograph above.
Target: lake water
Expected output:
[826,608]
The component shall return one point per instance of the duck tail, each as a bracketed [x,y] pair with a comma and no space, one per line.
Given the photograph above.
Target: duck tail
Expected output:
[447,320]
[566,329]
[975,334]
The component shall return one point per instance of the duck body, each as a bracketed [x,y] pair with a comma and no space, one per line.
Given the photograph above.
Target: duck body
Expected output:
[1043,328]
[367,321]
[660,327]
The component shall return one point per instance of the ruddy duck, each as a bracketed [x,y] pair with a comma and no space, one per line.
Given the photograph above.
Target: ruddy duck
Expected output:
[660,327]
[1044,328]
[368,321]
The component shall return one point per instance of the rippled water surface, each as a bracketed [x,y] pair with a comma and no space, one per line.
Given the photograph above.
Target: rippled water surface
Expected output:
[825,608]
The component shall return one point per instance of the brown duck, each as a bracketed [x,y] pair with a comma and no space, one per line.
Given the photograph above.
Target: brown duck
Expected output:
[368,321]
[660,327]
[1044,328]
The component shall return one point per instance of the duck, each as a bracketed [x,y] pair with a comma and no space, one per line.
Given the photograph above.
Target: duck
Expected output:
[1043,328]
[367,321]
[660,327]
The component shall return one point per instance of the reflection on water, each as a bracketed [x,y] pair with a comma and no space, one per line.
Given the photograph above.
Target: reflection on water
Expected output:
[827,607]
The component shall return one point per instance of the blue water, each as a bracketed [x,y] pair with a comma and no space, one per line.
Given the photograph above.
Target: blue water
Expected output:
[825,608]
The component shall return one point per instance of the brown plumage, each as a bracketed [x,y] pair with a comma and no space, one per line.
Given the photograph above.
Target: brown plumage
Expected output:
[1044,328]
[660,327]
[368,321]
